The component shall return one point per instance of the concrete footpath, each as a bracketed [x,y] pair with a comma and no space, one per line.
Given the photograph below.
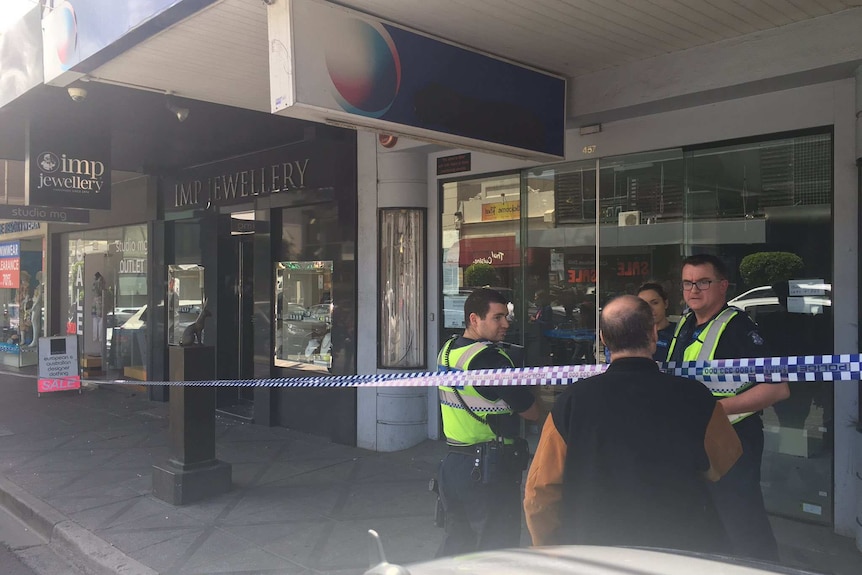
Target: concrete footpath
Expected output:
[77,468]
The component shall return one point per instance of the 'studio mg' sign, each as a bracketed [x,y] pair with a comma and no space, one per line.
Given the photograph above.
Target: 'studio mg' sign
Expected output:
[70,168]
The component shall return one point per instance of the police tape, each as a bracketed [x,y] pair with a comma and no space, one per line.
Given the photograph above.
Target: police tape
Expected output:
[721,376]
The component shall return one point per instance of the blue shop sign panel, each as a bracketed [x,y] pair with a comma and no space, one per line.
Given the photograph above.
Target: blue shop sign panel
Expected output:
[329,63]
[80,35]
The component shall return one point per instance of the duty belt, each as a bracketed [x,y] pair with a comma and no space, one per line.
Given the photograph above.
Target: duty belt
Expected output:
[465,449]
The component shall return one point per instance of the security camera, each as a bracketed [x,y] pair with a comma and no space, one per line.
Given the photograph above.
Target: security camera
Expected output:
[77,94]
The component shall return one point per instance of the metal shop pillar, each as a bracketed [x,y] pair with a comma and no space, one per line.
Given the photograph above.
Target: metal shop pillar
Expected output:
[192,473]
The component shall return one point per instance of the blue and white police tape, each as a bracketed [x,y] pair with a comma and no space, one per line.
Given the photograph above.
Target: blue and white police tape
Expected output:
[721,376]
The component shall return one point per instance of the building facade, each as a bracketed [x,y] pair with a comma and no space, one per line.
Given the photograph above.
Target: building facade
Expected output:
[741,147]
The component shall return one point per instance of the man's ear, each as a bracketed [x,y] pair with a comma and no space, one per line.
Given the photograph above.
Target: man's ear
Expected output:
[602,338]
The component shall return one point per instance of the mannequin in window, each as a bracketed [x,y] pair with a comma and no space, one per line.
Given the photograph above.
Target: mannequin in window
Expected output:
[97,309]
[25,300]
[173,309]
[36,310]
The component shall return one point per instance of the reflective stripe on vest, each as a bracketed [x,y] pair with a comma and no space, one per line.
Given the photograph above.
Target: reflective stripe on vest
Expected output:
[704,349]
[706,343]
[459,427]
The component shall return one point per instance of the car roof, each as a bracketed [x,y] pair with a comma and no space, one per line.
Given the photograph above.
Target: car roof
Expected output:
[594,560]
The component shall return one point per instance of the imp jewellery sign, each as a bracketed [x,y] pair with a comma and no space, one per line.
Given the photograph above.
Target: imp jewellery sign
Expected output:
[282,170]
[242,184]
[69,169]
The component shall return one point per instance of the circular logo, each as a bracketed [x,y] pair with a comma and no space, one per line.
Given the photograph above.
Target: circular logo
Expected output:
[363,65]
[48,162]
[62,27]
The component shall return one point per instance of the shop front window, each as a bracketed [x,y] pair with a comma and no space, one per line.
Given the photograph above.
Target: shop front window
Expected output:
[310,320]
[22,295]
[303,309]
[106,303]
[764,207]
[186,304]
[561,272]
[481,247]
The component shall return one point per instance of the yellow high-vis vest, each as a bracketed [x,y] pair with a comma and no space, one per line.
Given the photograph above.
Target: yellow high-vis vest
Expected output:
[704,346]
[460,428]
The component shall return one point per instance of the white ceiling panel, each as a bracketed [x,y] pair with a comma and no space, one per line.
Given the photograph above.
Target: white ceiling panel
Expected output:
[220,54]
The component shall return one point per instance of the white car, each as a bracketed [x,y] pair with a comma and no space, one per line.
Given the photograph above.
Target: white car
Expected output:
[586,560]
[763,299]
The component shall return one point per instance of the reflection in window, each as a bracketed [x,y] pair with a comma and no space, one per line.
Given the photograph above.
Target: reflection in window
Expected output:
[480,225]
[109,312]
[402,250]
[185,300]
[303,307]
[22,295]
[764,207]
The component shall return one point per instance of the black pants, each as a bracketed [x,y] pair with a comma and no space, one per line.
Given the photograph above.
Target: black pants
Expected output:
[739,500]
[479,516]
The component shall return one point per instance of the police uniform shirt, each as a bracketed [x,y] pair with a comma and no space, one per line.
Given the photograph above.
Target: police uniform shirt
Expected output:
[665,335]
[518,398]
[741,338]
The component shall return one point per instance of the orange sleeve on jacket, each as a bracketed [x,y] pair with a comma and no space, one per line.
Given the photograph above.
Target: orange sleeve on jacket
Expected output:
[721,443]
[543,491]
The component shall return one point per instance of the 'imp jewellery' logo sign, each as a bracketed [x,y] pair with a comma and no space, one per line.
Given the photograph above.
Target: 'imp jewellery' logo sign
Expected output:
[70,174]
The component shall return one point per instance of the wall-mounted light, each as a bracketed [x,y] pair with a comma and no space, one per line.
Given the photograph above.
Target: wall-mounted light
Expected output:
[180,112]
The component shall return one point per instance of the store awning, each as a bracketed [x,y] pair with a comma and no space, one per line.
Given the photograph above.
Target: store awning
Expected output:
[499,251]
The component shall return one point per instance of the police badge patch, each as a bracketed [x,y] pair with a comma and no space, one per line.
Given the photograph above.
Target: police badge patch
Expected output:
[755,338]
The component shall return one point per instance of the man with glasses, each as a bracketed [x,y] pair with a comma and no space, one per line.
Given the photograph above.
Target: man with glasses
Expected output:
[712,330]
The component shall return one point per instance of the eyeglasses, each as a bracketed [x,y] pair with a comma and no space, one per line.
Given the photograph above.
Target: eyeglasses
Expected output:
[702,285]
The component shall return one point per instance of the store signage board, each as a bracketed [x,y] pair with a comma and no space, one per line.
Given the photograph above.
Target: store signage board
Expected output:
[18,227]
[58,364]
[338,66]
[40,214]
[69,165]
[10,265]
[501,211]
[291,169]
[454,164]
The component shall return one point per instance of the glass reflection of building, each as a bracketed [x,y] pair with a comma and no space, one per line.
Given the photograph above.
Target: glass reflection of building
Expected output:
[587,231]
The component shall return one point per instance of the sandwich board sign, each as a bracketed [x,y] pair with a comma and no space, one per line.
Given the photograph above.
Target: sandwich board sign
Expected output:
[58,364]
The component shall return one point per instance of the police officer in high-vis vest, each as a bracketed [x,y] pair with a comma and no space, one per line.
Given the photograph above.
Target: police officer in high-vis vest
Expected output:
[712,330]
[480,477]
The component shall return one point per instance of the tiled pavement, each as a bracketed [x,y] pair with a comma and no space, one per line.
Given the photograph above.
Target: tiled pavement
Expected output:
[78,467]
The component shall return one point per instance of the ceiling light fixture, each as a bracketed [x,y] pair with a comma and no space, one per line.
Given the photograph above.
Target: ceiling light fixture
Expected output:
[178,111]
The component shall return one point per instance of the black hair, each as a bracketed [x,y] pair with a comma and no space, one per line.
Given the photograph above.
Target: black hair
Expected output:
[703,259]
[630,328]
[656,287]
[542,297]
[480,301]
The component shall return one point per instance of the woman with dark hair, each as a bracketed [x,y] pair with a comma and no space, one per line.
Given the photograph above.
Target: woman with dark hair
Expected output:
[654,294]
